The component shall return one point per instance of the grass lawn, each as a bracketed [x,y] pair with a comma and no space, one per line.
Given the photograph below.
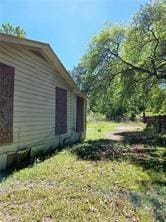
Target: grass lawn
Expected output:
[98,129]
[98,180]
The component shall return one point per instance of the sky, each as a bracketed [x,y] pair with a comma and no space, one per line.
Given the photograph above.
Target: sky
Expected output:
[67,25]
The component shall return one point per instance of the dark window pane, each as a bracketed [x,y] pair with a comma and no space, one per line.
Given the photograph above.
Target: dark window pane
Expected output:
[61,111]
[6,103]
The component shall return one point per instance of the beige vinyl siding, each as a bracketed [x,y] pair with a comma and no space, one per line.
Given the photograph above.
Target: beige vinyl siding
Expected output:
[34,101]
[3,158]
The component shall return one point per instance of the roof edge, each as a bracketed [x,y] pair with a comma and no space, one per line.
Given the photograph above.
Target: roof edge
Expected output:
[47,49]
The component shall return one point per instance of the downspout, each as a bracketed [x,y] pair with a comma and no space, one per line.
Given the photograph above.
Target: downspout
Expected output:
[72,130]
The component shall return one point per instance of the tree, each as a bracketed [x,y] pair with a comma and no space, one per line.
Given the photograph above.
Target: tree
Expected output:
[124,65]
[78,73]
[11,30]
[146,44]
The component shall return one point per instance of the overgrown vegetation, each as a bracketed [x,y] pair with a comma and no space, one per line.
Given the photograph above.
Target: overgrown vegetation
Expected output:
[102,179]
[118,173]
[124,70]
[12,30]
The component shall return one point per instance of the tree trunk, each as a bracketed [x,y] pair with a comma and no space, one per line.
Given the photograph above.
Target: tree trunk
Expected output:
[144,115]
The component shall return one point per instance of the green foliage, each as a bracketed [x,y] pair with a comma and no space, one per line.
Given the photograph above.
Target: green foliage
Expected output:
[12,30]
[92,117]
[124,67]
[157,103]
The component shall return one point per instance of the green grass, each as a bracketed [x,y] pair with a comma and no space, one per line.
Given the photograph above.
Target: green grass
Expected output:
[74,186]
[97,129]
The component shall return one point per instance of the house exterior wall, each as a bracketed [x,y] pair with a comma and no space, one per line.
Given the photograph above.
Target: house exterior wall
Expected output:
[34,103]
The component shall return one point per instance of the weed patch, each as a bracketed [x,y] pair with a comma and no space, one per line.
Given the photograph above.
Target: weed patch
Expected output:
[98,180]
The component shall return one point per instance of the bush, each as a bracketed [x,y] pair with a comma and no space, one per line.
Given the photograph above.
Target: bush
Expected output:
[92,117]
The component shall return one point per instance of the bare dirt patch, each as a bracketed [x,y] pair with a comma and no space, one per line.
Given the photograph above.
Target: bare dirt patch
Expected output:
[116,135]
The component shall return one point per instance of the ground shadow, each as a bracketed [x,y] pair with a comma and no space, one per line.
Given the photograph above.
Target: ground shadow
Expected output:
[140,147]
[143,137]
[142,153]
[138,199]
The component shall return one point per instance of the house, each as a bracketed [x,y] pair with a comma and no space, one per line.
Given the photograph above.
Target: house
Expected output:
[40,105]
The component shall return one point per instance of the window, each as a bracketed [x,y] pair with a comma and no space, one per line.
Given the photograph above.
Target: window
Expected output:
[6,103]
[61,111]
[80,114]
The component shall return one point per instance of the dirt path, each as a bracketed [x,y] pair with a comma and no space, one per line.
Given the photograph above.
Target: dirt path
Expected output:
[117,134]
